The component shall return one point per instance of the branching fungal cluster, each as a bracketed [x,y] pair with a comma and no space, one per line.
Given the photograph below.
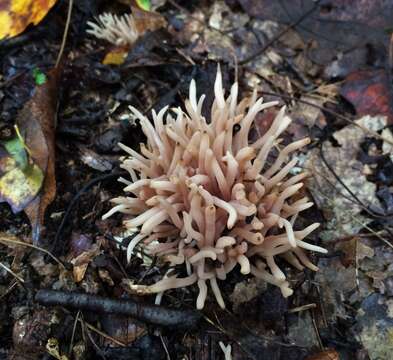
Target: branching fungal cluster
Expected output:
[202,196]
[118,30]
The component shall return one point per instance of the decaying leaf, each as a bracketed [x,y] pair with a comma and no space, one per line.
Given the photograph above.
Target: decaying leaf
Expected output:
[354,250]
[37,123]
[20,178]
[245,291]
[301,330]
[27,171]
[376,324]
[82,261]
[147,20]
[52,347]
[16,15]
[370,93]
[340,207]
[122,328]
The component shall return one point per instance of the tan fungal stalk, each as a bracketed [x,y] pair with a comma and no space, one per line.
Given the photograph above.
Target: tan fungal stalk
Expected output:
[212,201]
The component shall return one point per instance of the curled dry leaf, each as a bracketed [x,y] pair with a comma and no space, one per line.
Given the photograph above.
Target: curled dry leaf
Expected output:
[16,15]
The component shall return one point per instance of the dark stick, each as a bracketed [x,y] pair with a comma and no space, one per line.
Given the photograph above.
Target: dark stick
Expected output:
[153,314]
[279,35]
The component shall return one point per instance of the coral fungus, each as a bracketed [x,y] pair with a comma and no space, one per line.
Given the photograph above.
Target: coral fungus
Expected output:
[118,30]
[202,196]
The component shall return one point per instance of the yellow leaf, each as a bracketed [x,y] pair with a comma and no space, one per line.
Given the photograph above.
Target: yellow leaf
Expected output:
[18,187]
[115,57]
[16,15]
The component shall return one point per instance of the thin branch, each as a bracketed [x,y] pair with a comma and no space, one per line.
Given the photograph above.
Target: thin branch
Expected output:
[17,242]
[17,277]
[67,25]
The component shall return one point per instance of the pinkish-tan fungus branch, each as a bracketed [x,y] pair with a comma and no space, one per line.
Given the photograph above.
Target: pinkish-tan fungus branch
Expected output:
[202,196]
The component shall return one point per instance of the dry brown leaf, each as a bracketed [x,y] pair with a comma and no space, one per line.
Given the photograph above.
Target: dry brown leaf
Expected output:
[82,261]
[37,123]
[147,20]
[353,248]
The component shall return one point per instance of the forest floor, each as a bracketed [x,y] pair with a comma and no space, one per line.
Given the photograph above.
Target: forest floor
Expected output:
[329,62]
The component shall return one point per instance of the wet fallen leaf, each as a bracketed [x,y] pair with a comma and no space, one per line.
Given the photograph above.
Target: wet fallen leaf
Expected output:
[37,123]
[16,15]
[369,91]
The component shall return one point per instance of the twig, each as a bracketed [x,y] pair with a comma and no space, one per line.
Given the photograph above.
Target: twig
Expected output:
[279,35]
[73,333]
[17,277]
[372,231]
[165,348]
[16,242]
[153,314]
[99,332]
[316,330]
[10,288]
[302,308]
[65,33]
[357,265]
